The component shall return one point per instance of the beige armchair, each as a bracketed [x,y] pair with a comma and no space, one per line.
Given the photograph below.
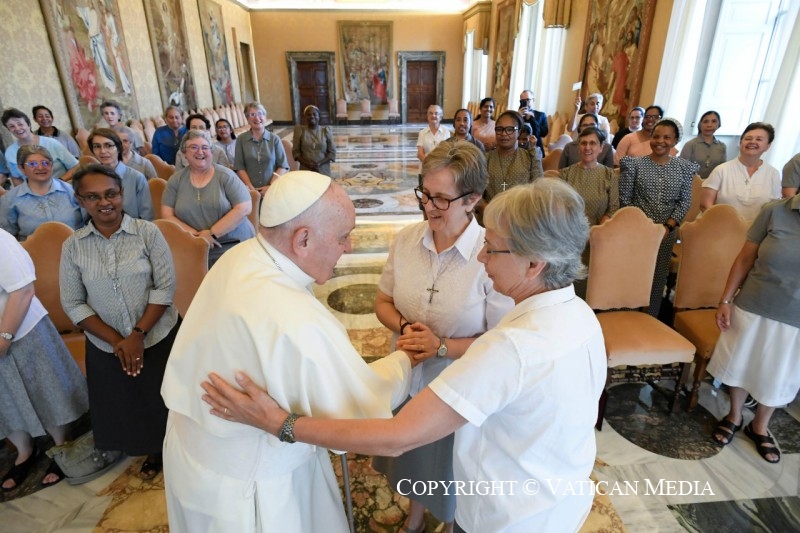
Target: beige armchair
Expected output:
[190,258]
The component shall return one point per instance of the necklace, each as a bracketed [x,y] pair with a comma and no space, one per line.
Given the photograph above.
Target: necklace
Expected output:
[442,268]
[197,189]
[504,168]
[317,138]
[258,238]
[114,277]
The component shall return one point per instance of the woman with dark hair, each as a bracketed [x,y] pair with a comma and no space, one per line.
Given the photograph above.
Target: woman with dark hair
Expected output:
[312,144]
[571,152]
[226,139]
[117,282]
[510,165]
[638,144]
[41,388]
[106,146]
[462,123]
[44,118]
[659,184]
[40,198]
[438,329]
[18,123]
[705,149]
[633,123]
[483,127]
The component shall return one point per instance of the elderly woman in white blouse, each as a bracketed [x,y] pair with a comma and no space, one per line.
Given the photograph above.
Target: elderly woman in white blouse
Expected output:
[747,182]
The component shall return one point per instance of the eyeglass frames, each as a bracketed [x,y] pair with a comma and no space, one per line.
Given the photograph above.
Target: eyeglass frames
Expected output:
[442,204]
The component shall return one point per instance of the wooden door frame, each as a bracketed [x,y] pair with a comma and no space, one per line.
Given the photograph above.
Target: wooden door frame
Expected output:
[292,58]
[402,63]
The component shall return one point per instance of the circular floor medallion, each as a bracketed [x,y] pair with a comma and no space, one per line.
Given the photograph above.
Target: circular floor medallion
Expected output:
[357,299]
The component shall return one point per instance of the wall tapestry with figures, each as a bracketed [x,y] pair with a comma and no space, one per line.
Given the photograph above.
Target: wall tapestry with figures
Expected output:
[365,49]
[89,48]
[171,53]
[615,51]
[219,72]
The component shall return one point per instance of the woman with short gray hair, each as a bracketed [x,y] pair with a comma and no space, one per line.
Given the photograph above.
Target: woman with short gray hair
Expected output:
[207,200]
[260,156]
[522,399]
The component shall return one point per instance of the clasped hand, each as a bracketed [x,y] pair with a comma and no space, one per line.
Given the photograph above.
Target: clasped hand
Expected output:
[206,236]
[130,352]
[419,342]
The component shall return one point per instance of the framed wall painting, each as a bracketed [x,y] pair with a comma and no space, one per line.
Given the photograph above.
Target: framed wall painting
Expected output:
[219,71]
[91,57]
[171,53]
[504,48]
[365,48]
[615,51]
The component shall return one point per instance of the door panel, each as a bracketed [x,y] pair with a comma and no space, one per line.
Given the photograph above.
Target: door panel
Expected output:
[312,86]
[420,89]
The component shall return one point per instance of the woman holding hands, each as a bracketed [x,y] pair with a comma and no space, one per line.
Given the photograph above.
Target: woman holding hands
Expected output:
[437,299]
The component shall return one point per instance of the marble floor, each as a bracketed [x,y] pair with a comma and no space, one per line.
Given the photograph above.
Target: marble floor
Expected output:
[653,471]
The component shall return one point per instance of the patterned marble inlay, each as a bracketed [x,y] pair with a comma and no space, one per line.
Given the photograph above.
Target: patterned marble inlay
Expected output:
[639,413]
[764,514]
[357,299]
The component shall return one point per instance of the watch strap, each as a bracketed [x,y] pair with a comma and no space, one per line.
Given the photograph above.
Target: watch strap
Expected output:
[286,434]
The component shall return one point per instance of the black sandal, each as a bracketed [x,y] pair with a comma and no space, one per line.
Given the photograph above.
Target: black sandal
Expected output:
[19,472]
[765,444]
[725,431]
[53,469]
[151,467]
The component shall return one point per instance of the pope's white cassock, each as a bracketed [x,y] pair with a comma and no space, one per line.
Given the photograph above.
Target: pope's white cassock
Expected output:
[260,316]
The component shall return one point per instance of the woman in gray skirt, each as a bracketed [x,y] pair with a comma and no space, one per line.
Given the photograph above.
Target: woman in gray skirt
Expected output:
[41,387]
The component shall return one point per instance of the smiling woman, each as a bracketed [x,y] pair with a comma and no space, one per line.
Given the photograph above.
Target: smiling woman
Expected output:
[107,147]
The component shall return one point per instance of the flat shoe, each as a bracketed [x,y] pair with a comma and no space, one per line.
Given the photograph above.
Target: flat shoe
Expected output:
[53,469]
[19,472]
[725,431]
[762,442]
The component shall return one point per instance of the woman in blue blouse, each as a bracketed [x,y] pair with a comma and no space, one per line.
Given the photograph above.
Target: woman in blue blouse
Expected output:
[40,198]
[117,282]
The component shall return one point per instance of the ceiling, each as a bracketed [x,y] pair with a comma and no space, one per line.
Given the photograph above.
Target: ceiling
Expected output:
[438,6]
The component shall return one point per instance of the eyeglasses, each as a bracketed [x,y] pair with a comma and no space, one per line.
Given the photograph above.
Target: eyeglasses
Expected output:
[94,198]
[508,130]
[490,251]
[256,114]
[442,204]
[652,117]
[37,164]
[196,148]
[107,146]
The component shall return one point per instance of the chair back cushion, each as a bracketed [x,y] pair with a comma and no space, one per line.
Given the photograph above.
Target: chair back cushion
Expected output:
[341,108]
[163,169]
[190,257]
[157,186]
[287,147]
[44,247]
[88,160]
[550,161]
[709,245]
[622,260]
[366,107]
[697,192]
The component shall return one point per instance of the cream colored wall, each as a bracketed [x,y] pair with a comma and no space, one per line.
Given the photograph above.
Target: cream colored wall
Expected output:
[276,32]
[234,16]
[29,72]
[573,54]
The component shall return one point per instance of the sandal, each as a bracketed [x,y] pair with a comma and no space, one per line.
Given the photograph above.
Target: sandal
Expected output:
[724,432]
[765,444]
[19,472]
[53,469]
[151,468]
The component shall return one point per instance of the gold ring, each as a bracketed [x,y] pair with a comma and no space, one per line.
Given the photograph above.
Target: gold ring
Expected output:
[225,412]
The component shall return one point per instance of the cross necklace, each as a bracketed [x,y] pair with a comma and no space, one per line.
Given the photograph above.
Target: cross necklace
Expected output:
[442,268]
[114,277]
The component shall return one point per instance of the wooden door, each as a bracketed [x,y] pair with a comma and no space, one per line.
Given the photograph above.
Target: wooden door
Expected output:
[420,89]
[312,86]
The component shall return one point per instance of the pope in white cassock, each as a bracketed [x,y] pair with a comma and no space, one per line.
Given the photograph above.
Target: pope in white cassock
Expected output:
[255,312]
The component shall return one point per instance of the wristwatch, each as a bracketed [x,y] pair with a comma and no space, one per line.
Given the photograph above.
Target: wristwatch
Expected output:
[6,335]
[286,433]
[442,351]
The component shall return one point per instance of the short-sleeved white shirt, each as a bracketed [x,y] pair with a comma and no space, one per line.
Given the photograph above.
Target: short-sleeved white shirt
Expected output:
[746,193]
[428,140]
[17,271]
[529,390]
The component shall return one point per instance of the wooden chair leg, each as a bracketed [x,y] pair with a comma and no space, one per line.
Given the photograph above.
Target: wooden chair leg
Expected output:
[685,367]
[700,364]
